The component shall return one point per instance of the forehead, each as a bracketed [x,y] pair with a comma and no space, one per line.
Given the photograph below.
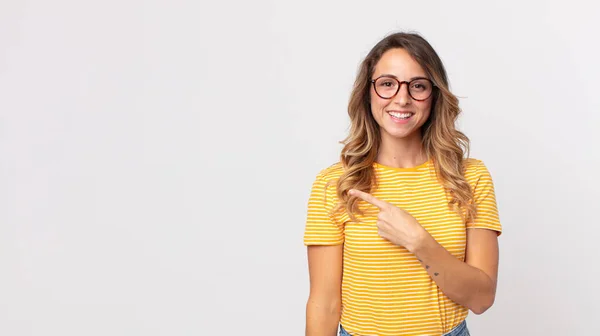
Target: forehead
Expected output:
[399,63]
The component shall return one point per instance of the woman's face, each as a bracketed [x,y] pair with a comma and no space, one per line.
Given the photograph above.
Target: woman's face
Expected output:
[400,116]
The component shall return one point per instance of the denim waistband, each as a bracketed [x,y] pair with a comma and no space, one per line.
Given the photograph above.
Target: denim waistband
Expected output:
[459,330]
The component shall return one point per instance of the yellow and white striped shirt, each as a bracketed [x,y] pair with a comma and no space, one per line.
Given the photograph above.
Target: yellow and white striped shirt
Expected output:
[385,289]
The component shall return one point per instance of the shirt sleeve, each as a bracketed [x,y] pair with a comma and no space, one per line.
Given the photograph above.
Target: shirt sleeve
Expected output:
[485,200]
[321,228]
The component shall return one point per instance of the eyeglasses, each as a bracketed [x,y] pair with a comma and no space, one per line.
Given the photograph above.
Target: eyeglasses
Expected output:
[387,87]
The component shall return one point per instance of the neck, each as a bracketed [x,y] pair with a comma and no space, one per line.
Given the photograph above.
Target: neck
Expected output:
[401,153]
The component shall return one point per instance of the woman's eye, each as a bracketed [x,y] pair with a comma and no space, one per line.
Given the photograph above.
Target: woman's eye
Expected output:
[419,86]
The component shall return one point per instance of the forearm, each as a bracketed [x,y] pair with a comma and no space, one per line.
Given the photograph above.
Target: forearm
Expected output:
[464,284]
[322,319]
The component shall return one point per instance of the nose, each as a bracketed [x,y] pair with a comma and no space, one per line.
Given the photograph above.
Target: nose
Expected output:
[402,97]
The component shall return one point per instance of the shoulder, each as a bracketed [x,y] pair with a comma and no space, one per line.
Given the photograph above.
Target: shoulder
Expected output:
[331,173]
[324,187]
[476,171]
[326,180]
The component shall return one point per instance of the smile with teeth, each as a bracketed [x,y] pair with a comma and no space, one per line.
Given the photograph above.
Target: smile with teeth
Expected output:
[401,115]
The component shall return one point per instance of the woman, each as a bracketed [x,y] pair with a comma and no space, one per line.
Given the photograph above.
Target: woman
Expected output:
[402,233]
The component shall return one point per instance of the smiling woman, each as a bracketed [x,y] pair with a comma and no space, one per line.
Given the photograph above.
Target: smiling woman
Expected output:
[402,233]
[390,105]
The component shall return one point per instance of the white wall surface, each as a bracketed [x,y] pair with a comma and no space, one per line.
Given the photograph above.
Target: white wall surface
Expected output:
[157,156]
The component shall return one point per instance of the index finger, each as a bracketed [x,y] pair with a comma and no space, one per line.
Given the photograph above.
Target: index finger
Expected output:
[368,198]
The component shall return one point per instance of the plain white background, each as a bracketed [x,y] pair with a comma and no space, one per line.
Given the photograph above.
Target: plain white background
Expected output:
[156,156]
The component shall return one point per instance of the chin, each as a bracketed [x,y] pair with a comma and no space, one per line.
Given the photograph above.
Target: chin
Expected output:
[400,134]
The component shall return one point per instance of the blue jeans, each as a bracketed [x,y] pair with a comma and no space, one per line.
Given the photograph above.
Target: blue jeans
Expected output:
[459,330]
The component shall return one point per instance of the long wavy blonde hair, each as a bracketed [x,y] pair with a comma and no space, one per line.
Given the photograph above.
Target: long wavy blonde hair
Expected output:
[442,142]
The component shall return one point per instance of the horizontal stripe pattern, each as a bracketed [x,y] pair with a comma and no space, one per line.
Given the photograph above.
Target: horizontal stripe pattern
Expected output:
[385,289]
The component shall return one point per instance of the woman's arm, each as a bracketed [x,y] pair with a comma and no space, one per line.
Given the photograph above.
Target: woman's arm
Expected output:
[471,283]
[323,308]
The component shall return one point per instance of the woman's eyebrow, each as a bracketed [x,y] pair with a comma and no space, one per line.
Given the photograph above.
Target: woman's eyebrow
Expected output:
[412,78]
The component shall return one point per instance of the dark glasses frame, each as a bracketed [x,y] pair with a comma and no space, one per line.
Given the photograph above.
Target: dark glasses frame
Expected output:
[433,86]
